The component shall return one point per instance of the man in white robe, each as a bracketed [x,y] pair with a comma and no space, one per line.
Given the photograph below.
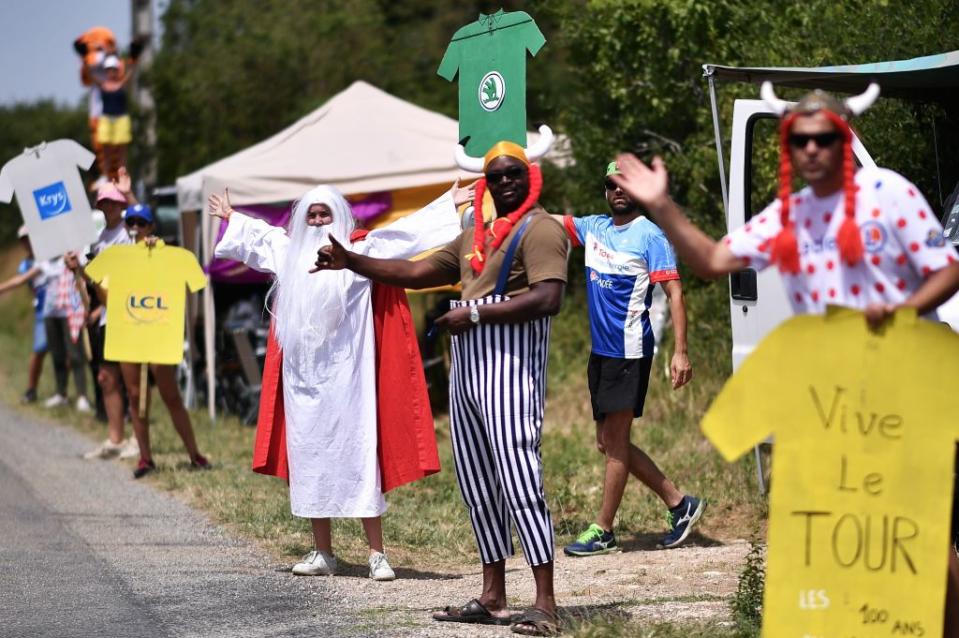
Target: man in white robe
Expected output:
[324,325]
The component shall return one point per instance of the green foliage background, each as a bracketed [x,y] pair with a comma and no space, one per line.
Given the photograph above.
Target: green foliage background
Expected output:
[615,75]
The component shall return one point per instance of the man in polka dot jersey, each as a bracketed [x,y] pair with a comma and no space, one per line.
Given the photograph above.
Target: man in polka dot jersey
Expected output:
[864,239]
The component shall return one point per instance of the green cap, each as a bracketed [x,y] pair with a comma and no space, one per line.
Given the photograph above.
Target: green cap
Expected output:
[612,169]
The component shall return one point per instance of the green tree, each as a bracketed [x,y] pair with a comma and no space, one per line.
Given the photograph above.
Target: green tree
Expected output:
[231,72]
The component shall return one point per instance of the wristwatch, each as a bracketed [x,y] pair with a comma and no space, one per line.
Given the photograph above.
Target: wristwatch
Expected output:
[474,315]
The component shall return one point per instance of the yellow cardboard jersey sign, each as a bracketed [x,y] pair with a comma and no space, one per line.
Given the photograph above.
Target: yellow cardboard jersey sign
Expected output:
[862,471]
[146,300]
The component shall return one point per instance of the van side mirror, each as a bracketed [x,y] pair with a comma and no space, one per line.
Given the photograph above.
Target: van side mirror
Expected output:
[742,285]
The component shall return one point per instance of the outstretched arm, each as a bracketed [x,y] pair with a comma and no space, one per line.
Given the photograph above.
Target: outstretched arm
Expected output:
[434,225]
[19,280]
[394,272]
[680,369]
[648,186]
[253,242]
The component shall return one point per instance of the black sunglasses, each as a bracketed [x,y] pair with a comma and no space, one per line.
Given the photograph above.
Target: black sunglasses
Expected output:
[137,221]
[611,185]
[513,172]
[822,140]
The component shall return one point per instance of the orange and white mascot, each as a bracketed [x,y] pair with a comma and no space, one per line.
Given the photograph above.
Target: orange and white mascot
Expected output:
[93,47]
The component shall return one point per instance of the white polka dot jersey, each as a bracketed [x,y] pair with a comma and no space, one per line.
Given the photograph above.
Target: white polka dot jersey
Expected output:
[902,238]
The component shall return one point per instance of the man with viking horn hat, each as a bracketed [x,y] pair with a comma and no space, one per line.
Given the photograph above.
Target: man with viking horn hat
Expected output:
[865,239]
[513,271]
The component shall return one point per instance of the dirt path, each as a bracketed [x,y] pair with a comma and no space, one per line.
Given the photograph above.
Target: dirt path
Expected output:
[148,558]
[694,582]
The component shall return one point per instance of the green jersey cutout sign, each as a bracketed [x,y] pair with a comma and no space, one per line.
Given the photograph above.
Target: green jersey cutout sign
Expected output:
[490,57]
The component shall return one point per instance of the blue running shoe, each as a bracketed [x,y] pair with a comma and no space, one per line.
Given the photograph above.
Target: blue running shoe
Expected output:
[594,541]
[681,520]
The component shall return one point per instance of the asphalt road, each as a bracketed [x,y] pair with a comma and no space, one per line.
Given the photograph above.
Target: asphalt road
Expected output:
[87,551]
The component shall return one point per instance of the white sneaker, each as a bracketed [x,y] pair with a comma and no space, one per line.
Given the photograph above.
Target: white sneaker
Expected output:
[316,563]
[83,405]
[380,568]
[107,449]
[55,401]
[130,449]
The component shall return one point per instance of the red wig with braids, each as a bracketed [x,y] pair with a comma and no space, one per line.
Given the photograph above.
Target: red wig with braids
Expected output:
[785,249]
[501,226]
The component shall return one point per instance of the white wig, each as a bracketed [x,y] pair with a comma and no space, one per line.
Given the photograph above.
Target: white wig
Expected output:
[308,308]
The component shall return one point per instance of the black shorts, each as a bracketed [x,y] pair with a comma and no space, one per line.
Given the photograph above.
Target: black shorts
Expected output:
[98,338]
[617,384]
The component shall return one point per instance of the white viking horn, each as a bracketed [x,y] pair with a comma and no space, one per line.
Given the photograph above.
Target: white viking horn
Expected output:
[542,145]
[769,97]
[859,103]
[467,163]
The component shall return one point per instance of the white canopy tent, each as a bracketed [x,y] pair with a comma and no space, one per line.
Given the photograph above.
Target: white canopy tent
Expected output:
[362,140]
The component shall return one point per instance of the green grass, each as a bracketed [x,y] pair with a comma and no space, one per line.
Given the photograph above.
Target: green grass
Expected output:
[426,523]
[615,628]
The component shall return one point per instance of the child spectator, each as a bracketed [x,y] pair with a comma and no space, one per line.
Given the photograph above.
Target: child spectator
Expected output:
[63,316]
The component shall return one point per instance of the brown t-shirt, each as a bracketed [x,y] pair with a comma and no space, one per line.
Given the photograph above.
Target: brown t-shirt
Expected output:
[540,255]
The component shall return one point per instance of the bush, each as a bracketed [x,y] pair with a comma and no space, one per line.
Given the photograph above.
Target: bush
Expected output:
[747,604]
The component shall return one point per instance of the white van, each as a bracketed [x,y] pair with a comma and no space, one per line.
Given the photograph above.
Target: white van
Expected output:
[758,301]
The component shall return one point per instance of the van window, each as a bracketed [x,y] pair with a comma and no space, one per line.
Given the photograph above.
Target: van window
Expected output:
[950,218]
[762,162]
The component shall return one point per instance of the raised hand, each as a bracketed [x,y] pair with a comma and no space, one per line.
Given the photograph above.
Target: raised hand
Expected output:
[332,257]
[219,206]
[123,182]
[462,195]
[648,185]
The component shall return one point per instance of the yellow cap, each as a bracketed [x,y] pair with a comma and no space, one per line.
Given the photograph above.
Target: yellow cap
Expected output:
[510,149]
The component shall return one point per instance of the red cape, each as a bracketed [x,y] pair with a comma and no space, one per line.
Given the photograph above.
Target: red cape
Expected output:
[404,423]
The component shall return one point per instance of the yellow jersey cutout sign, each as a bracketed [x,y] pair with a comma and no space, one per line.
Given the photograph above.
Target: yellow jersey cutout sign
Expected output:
[863,463]
[146,301]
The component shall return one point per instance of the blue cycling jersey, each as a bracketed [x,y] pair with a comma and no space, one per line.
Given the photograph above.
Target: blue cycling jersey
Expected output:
[623,263]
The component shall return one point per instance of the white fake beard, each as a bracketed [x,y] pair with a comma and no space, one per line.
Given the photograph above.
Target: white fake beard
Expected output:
[311,308]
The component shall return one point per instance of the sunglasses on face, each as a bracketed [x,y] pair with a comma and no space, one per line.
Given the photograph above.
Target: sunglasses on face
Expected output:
[822,140]
[611,185]
[513,172]
[139,222]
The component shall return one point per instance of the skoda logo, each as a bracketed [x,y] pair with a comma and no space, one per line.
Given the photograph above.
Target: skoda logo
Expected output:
[492,91]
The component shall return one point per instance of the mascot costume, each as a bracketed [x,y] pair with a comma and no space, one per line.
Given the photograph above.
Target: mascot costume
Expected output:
[94,47]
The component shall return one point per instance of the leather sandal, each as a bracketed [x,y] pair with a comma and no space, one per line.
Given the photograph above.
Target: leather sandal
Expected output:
[535,622]
[473,612]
